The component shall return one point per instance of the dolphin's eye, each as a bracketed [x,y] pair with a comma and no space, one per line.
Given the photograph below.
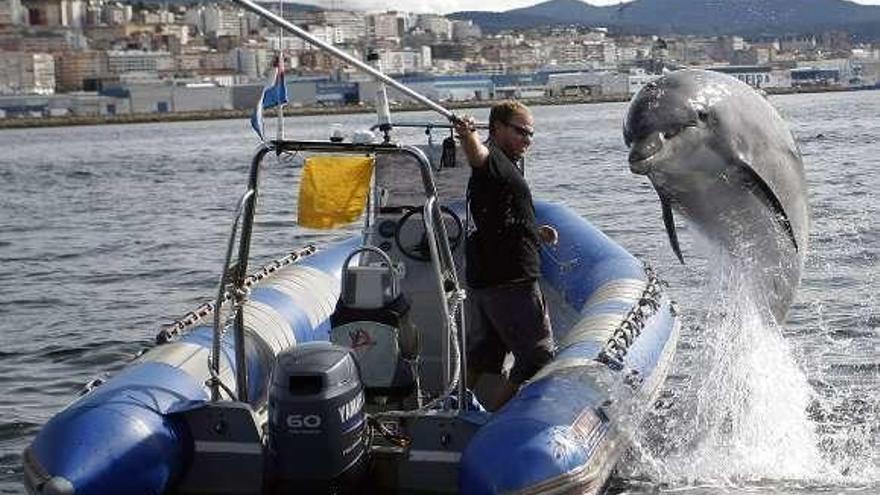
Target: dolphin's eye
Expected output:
[673,131]
[703,115]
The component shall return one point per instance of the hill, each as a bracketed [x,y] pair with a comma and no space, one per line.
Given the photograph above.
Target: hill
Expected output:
[703,17]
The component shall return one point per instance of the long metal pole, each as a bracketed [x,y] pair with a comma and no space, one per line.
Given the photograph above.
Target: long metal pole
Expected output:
[280,131]
[296,31]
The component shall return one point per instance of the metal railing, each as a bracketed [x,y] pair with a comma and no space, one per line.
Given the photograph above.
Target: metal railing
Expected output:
[234,272]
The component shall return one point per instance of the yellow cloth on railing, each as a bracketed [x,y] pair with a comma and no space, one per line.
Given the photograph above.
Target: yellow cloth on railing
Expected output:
[333,190]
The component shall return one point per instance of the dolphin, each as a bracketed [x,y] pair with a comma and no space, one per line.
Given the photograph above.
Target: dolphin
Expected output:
[718,153]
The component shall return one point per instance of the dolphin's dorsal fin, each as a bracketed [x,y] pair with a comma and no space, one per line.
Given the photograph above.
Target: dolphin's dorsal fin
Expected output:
[669,223]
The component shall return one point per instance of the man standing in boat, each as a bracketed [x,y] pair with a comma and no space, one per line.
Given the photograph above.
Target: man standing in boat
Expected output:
[507,309]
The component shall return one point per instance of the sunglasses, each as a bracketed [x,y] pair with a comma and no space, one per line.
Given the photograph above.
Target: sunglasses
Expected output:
[522,131]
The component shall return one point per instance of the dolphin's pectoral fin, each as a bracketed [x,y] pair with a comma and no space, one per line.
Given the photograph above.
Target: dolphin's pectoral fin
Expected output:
[765,194]
[669,223]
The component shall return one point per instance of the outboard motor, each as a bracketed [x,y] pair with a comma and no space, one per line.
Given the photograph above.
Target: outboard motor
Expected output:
[372,319]
[317,424]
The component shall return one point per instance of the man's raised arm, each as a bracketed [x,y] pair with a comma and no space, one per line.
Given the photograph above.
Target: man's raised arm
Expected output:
[477,153]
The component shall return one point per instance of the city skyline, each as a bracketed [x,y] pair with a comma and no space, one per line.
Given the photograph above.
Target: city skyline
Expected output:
[448,6]
[211,57]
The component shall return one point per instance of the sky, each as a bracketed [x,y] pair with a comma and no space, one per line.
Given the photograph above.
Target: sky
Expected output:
[447,6]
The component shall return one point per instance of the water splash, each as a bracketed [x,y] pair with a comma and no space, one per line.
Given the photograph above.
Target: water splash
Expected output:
[740,412]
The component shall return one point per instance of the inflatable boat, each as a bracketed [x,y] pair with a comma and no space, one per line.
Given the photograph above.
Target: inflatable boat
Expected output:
[339,368]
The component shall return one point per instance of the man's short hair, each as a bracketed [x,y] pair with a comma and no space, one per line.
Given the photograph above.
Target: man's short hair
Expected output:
[503,111]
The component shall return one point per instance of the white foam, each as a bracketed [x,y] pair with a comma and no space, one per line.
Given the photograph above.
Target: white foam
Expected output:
[741,414]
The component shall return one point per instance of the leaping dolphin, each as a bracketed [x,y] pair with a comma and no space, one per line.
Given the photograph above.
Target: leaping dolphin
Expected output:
[717,152]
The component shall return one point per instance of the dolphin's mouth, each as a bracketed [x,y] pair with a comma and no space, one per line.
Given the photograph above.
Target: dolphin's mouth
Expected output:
[641,167]
[643,151]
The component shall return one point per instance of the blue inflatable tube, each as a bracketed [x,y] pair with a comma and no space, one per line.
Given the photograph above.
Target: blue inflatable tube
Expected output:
[122,437]
[563,432]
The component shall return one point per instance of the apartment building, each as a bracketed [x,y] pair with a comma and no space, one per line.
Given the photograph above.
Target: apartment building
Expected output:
[76,71]
[27,73]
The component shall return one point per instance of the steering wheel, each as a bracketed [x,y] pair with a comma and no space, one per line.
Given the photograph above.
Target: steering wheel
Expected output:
[414,241]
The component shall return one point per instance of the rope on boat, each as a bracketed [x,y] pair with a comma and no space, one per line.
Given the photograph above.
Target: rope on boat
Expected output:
[455,299]
[615,349]
[397,439]
[171,331]
[563,265]
[215,378]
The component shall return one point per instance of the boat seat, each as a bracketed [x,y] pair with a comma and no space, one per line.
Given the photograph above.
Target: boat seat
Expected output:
[372,319]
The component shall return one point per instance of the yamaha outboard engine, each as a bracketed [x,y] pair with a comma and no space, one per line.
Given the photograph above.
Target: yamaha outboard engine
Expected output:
[372,319]
[316,420]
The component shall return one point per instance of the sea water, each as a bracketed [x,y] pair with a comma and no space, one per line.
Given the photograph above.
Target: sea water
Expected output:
[106,232]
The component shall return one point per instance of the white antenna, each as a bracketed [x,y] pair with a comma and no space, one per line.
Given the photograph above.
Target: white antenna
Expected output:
[280,131]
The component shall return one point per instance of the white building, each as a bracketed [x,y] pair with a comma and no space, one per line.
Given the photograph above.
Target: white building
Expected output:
[331,35]
[436,24]
[589,83]
[178,31]
[250,62]
[222,22]
[200,97]
[154,17]
[462,30]
[348,26]
[195,17]
[75,13]
[871,54]
[637,79]
[848,70]
[737,43]
[446,66]
[116,15]
[758,76]
[27,73]
[427,58]
[288,43]
[11,13]
[600,51]
[629,52]
[405,61]
[121,62]
[388,25]
[79,103]
[55,13]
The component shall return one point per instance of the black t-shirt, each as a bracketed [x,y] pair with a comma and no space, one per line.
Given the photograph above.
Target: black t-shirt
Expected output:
[504,248]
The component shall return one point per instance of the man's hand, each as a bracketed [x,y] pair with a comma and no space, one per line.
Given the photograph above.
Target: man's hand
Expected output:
[548,235]
[466,129]
[465,126]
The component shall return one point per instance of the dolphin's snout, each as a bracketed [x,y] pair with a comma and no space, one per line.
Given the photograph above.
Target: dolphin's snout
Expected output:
[642,150]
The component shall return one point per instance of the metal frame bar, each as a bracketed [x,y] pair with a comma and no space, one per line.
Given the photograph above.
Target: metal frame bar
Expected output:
[430,125]
[443,264]
[214,364]
[438,244]
[443,257]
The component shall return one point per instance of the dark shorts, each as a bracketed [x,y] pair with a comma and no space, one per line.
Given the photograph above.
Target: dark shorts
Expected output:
[510,318]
